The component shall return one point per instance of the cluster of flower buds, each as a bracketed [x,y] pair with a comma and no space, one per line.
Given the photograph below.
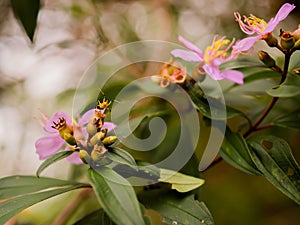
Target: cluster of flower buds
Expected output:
[289,42]
[97,131]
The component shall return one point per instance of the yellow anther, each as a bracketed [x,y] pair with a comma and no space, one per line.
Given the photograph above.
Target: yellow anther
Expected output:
[104,104]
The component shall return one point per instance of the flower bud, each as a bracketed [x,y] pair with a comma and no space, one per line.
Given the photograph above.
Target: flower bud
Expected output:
[98,137]
[68,137]
[296,71]
[95,123]
[287,40]
[84,156]
[65,131]
[109,140]
[266,59]
[91,128]
[98,152]
[271,40]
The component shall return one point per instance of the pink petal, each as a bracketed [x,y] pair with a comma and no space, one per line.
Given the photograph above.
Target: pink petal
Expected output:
[282,13]
[213,71]
[55,118]
[109,126]
[74,158]
[245,44]
[48,145]
[191,46]
[233,76]
[84,119]
[186,55]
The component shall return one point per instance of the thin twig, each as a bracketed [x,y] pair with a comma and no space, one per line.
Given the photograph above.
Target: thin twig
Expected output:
[71,207]
[273,100]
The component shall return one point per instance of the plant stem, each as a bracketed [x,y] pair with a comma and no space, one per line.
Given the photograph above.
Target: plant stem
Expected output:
[273,100]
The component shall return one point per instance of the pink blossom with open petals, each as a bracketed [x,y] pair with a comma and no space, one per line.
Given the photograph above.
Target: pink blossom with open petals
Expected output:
[49,145]
[254,25]
[211,59]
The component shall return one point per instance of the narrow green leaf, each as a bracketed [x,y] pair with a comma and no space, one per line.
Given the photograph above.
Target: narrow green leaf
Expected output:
[290,120]
[52,159]
[235,151]
[19,185]
[149,168]
[176,208]
[26,11]
[179,181]
[120,156]
[13,206]
[289,88]
[211,107]
[273,156]
[116,196]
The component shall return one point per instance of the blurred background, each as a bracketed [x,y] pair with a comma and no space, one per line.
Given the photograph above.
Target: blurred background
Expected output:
[71,34]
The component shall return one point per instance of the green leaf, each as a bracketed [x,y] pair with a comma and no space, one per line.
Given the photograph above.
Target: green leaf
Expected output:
[52,159]
[149,169]
[19,185]
[120,156]
[97,217]
[13,206]
[116,196]
[289,88]
[235,151]
[273,156]
[100,217]
[238,64]
[179,181]
[254,75]
[26,11]
[176,208]
[211,107]
[290,120]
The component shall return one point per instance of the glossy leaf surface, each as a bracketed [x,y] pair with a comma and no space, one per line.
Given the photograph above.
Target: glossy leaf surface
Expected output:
[180,181]
[235,152]
[273,156]
[116,196]
[176,208]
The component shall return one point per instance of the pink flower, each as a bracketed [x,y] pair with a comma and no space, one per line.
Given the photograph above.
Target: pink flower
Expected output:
[213,56]
[254,25]
[52,143]
[171,72]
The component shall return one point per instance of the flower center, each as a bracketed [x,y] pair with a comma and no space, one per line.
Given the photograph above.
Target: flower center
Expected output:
[218,49]
[256,23]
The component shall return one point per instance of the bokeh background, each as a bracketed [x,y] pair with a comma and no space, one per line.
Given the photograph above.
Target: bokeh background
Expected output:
[71,34]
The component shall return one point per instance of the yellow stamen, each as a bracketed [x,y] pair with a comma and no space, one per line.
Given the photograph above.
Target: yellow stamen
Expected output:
[215,50]
[256,22]
[104,104]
